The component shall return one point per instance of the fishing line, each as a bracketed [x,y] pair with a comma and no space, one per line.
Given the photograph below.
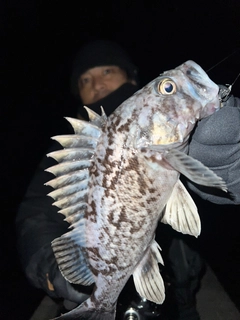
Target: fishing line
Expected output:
[225,90]
[215,65]
[235,79]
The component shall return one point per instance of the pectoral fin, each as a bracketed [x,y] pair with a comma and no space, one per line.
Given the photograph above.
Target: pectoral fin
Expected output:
[147,278]
[181,212]
[194,169]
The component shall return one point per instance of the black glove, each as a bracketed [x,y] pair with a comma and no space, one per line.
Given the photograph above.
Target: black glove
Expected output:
[43,272]
[63,289]
[216,143]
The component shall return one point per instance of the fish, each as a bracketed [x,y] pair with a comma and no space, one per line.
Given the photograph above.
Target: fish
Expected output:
[117,177]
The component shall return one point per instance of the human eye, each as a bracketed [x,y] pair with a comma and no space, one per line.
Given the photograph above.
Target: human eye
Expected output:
[84,80]
[107,70]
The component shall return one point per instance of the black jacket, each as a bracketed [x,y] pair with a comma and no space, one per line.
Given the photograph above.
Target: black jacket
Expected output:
[38,223]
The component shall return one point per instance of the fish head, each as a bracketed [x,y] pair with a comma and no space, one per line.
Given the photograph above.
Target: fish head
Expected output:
[173,103]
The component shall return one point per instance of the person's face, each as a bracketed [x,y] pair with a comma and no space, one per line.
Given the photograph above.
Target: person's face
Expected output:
[98,82]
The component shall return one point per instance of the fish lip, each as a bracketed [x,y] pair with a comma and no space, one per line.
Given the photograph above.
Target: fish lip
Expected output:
[210,108]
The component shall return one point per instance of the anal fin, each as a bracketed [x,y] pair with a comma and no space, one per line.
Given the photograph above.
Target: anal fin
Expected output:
[147,278]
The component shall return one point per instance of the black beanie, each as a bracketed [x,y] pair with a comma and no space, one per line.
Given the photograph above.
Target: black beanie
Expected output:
[100,53]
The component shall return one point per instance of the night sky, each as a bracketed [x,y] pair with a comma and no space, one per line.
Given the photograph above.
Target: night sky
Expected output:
[38,42]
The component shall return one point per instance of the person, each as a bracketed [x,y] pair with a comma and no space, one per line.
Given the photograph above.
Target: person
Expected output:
[104,75]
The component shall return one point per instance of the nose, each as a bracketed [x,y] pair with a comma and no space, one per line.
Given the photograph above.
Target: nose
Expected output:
[99,84]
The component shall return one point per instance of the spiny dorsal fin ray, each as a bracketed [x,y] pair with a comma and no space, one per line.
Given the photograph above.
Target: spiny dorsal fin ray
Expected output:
[76,141]
[72,219]
[71,154]
[69,167]
[72,199]
[85,128]
[66,179]
[104,116]
[70,210]
[69,190]
[96,118]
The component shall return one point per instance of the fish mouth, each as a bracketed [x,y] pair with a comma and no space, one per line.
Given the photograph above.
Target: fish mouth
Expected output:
[203,86]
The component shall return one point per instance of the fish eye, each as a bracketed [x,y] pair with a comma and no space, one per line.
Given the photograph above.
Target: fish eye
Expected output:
[167,86]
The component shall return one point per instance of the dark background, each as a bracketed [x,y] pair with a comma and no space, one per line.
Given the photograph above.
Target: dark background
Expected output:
[38,42]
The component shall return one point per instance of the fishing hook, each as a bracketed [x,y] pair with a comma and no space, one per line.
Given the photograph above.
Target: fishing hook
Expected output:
[225,90]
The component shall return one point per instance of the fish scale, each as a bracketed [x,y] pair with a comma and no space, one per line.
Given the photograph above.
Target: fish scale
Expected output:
[118,177]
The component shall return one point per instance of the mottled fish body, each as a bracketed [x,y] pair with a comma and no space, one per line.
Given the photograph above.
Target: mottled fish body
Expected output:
[118,176]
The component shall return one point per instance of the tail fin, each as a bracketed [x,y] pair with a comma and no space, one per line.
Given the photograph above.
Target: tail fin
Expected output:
[82,312]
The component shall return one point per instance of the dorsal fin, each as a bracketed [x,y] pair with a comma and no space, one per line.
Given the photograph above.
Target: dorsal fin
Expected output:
[86,128]
[71,182]
[96,118]
[70,194]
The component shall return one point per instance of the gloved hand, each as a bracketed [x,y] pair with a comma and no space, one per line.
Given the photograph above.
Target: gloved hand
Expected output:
[216,143]
[63,289]
[43,272]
